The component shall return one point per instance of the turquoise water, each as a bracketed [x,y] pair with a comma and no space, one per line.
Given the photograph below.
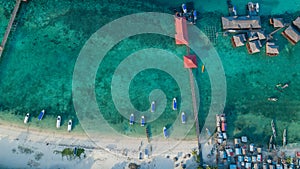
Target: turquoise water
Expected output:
[37,67]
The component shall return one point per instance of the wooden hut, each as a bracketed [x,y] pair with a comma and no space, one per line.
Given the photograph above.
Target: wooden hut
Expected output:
[277,22]
[241,22]
[292,33]
[254,46]
[238,40]
[271,49]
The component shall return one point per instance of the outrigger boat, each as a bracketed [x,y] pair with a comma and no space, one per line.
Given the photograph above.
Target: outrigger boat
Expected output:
[153,106]
[26,118]
[174,104]
[273,128]
[143,121]
[131,120]
[165,132]
[184,9]
[183,118]
[58,121]
[284,138]
[41,115]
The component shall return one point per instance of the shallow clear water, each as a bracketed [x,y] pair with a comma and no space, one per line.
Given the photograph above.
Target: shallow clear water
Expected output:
[37,67]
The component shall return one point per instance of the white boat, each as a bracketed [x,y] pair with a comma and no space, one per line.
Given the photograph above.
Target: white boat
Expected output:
[184,9]
[284,138]
[69,125]
[165,132]
[174,105]
[131,120]
[183,118]
[26,118]
[143,121]
[153,106]
[58,121]
[257,7]
[273,128]
[195,16]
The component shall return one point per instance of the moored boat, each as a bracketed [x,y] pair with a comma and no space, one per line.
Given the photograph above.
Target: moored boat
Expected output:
[165,132]
[183,118]
[143,121]
[284,138]
[195,16]
[273,128]
[257,7]
[153,106]
[41,115]
[184,9]
[174,106]
[69,125]
[131,120]
[234,10]
[58,121]
[26,118]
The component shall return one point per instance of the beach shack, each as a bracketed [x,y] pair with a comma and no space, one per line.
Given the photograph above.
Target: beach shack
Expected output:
[238,40]
[190,61]
[251,147]
[238,151]
[292,33]
[254,46]
[181,36]
[258,35]
[272,49]
[277,22]
[241,22]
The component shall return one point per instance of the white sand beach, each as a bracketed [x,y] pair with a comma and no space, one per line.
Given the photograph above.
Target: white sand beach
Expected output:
[23,147]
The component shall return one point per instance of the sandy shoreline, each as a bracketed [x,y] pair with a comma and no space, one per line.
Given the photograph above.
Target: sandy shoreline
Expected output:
[105,152]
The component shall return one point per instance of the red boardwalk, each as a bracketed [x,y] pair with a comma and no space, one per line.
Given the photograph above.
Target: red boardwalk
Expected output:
[181,35]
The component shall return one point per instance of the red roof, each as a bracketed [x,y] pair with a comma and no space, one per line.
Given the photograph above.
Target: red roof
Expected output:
[181,35]
[190,61]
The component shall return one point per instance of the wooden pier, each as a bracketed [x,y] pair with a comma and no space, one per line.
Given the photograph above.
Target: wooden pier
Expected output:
[10,25]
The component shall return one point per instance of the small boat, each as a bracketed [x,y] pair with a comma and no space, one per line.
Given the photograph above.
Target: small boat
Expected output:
[284,138]
[143,121]
[131,120]
[69,125]
[184,9]
[58,121]
[26,118]
[174,104]
[234,10]
[257,7]
[75,151]
[165,132]
[195,16]
[41,115]
[183,118]
[273,128]
[208,132]
[153,106]
[270,142]
[272,99]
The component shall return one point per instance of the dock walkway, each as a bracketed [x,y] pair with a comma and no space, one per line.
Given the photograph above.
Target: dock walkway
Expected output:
[9,26]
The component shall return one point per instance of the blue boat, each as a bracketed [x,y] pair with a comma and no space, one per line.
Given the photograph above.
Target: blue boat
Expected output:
[143,121]
[234,10]
[195,16]
[131,121]
[75,151]
[41,115]
[184,9]
[183,118]
[153,106]
[165,132]
[174,104]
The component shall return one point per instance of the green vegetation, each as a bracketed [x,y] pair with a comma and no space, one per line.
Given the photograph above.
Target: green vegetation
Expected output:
[196,156]
[289,160]
[69,152]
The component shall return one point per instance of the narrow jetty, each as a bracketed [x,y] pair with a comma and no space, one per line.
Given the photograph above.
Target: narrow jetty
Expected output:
[9,26]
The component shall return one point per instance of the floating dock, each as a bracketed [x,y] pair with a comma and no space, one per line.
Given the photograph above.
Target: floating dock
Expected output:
[10,24]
